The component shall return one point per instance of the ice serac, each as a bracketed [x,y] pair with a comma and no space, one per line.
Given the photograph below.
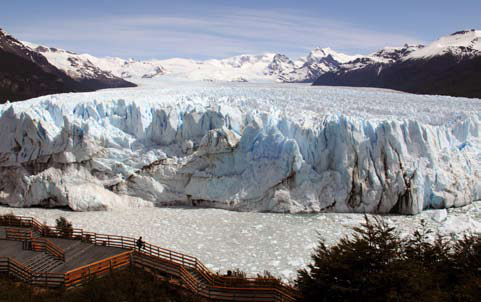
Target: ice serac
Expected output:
[241,147]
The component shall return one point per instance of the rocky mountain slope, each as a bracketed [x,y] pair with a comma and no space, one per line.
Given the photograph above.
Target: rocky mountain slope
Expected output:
[85,66]
[25,73]
[448,66]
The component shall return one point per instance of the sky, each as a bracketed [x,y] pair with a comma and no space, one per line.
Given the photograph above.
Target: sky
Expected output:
[202,29]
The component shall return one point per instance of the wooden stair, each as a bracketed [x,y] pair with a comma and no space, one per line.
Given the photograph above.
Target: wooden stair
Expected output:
[42,262]
[202,281]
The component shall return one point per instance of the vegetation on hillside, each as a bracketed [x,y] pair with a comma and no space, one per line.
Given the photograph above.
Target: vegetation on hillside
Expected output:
[120,286]
[375,264]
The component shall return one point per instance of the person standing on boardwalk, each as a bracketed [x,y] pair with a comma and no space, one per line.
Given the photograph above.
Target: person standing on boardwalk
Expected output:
[140,243]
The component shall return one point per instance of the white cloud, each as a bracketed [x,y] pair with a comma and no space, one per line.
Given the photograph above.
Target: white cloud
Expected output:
[216,34]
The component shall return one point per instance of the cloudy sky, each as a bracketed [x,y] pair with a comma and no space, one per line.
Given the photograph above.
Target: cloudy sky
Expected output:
[203,29]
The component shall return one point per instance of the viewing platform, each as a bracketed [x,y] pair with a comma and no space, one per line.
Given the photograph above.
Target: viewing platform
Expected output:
[45,256]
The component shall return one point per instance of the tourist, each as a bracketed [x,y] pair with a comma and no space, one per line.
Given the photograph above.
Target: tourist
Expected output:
[140,243]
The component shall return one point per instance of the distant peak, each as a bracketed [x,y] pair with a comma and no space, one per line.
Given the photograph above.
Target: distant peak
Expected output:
[463,32]
[327,49]
[322,51]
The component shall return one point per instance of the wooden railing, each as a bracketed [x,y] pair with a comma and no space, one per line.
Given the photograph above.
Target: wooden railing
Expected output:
[97,269]
[47,246]
[18,234]
[36,244]
[23,273]
[236,291]
[165,260]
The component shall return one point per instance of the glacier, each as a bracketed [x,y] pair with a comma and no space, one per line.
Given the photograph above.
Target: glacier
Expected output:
[241,146]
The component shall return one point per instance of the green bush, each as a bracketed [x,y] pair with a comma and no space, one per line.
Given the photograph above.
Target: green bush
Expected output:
[64,227]
[120,286]
[10,220]
[376,265]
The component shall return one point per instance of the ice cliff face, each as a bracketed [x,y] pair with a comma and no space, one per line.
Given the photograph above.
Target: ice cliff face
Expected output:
[242,147]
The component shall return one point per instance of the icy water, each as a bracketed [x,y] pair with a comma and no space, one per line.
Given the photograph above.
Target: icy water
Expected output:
[252,242]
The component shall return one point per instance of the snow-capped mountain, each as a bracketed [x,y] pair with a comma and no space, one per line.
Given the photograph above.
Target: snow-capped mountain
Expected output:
[85,66]
[317,62]
[239,68]
[387,55]
[466,43]
[263,67]
[450,65]
[25,73]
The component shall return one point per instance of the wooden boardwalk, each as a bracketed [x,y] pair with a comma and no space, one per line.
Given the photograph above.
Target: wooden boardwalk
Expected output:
[43,256]
[77,253]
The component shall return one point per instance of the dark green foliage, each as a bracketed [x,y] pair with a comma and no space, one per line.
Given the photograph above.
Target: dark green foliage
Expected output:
[267,275]
[238,273]
[10,220]
[376,265]
[64,227]
[120,286]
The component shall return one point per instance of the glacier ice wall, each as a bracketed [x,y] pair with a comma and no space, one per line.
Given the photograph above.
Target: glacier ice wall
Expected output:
[239,149]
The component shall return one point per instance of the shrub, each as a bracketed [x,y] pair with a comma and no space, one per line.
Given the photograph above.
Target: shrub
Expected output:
[64,227]
[238,273]
[10,220]
[124,285]
[376,265]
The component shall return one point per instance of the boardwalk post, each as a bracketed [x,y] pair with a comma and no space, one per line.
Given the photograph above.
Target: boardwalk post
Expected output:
[131,256]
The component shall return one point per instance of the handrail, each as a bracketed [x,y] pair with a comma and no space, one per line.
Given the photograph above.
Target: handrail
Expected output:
[18,234]
[49,247]
[182,261]
[100,261]
[77,275]
[25,274]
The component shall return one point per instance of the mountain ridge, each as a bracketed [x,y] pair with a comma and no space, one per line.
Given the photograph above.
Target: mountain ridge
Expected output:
[450,66]
[435,68]
[26,74]
[246,67]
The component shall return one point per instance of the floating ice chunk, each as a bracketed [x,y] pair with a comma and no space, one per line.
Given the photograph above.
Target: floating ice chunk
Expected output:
[438,215]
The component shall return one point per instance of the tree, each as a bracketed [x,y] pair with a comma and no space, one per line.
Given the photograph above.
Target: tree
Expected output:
[64,227]
[374,264]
